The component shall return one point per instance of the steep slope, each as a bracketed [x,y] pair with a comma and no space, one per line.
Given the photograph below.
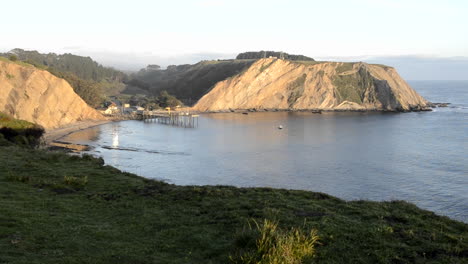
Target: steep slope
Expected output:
[188,82]
[280,84]
[37,96]
[87,77]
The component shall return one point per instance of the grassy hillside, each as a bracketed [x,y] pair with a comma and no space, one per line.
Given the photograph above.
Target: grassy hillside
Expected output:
[66,209]
[188,82]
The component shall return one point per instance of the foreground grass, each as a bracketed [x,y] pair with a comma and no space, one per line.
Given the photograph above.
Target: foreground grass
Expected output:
[56,208]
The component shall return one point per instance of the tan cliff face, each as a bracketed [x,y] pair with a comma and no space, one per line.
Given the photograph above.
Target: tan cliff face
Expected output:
[37,96]
[279,84]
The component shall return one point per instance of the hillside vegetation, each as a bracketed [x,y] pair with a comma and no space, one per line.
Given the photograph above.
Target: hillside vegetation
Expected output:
[83,67]
[90,80]
[188,83]
[58,208]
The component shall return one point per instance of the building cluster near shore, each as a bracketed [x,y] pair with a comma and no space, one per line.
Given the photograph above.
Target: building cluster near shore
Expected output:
[124,109]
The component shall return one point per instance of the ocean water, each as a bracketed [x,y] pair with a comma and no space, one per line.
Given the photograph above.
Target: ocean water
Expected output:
[419,157]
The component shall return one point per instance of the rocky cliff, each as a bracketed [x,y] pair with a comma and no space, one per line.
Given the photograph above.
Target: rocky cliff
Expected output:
[280,84]
[37,96]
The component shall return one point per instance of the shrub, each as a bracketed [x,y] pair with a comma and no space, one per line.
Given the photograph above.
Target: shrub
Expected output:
[97,160]
[76,182]
[269,244]
[13,57]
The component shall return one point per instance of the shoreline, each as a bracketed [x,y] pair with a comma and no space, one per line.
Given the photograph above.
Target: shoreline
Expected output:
[316,111]
[52,137]
[153,213]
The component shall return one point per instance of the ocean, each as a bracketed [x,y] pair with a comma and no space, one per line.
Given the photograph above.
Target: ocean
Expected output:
[420,157]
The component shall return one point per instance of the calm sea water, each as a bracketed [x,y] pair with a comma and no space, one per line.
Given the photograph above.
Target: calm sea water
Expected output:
[418,157]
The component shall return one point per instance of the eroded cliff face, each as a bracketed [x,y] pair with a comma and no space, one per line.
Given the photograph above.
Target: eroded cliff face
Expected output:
[37,96]
[279,84]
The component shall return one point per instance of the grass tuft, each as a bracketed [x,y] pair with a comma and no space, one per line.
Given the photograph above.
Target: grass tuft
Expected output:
[76,182]
[270,244]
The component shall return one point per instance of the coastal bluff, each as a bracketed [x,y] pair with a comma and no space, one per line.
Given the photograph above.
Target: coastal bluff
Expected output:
[37,96]
[273,83]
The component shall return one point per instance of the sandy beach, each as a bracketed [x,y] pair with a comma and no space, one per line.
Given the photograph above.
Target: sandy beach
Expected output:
[56,134]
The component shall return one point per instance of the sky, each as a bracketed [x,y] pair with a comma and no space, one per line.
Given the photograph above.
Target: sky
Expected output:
[134,33]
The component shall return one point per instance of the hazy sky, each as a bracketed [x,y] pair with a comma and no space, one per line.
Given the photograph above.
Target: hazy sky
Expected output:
[168,28]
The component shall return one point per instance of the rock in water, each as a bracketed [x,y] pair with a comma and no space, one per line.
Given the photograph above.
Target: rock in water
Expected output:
[290,85]
[38,96]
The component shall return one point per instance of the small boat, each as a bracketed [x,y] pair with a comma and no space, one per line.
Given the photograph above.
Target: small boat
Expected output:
[280,127]
[245,113]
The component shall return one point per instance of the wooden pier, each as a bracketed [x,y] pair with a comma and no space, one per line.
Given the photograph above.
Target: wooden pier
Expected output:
[180,119]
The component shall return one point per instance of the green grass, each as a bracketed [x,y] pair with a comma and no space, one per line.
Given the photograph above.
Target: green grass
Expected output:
[269,244]
[296,89]
[344,67]
[19,131]
[308,62]
[10,122]
[4,59]
[116,217]
[352,87]
[383,66]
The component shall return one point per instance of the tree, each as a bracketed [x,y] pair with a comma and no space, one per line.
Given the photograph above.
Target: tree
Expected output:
[167,100]
[13,57]
[153,67]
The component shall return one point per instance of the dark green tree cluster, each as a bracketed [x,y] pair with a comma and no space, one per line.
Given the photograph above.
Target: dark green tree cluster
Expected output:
[150,102]
[166,100]
[266,54]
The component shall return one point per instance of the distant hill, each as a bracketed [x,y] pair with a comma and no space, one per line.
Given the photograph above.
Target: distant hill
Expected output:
[276,84]
[83,67]
[190,82]
[267,54]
